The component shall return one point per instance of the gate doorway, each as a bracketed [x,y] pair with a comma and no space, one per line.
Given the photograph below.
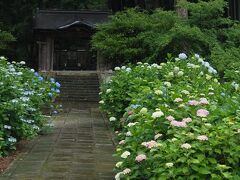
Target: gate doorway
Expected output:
[74,60]
[73,53]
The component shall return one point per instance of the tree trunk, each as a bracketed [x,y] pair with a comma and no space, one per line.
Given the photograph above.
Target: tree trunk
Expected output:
[141,3]
[182,12]
[115,5]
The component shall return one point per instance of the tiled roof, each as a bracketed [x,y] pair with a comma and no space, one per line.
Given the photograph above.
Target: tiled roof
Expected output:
[55,19]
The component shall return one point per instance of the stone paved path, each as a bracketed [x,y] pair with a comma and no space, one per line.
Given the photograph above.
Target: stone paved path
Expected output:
[78,147]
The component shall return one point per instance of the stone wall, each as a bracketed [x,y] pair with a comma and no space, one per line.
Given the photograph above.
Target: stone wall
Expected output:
[104,69]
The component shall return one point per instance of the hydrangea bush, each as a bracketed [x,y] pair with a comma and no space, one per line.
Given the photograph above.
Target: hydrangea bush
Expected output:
[174,121]
[23,92]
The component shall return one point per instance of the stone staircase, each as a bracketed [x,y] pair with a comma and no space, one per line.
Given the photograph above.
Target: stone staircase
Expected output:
[78,86]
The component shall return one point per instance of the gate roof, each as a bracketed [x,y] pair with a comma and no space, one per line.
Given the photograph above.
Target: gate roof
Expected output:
[58,19]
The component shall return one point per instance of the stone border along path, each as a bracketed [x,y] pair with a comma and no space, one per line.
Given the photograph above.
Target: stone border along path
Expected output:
[79,147]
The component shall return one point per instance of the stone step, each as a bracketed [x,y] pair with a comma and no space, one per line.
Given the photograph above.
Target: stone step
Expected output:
[81,92]
[78,79]
[64,84]
[78,87]
[92,99]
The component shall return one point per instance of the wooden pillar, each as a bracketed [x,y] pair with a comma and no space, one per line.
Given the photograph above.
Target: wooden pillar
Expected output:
[42,52]
[50,51]
[46,55]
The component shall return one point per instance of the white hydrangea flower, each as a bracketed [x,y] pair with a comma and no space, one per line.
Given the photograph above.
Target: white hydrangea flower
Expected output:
[7,127]
[132,124]
[119,164]
[185,92]
[117,68]
[128,133]
[123,67]
[143,110]
[118,176]
[101,102]
[176,69]
[200,60]
[158,92]
[128,69]
[112,119]
[125,154]
[168,84]
[154,65]
[169,165]
[206,64]
[186,146]
[22,62]
[2,58]
[180,73]
[197,56]
[170,74]
[157,114]
[108,91]
[12,139]
[19,73]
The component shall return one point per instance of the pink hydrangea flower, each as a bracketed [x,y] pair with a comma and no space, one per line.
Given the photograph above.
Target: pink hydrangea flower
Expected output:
[187,120]
[150,144]
[178,123]
[193,103]
[122,142]
[178,100]
[202,113]
[203,101]
[130,113]
[202,138]
[170,118]
[186,146]
[141,157]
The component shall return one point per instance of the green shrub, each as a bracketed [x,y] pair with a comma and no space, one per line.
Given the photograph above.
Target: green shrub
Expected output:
[5,38]
[23,93]
[180,122]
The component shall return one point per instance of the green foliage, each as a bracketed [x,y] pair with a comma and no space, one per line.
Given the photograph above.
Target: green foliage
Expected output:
[148,37]
[76,4]
[179,122]
[5,38]
[22,95]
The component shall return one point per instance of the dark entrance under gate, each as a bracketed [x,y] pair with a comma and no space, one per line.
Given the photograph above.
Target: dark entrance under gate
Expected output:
[72,51]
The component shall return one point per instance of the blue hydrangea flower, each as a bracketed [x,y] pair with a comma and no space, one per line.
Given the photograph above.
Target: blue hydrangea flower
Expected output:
[182,56]
[55,112]
[134,106]
[50,94]
[58,85]
[36,74]
[40,78]
[53,89]
[57,91]
[52,80]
